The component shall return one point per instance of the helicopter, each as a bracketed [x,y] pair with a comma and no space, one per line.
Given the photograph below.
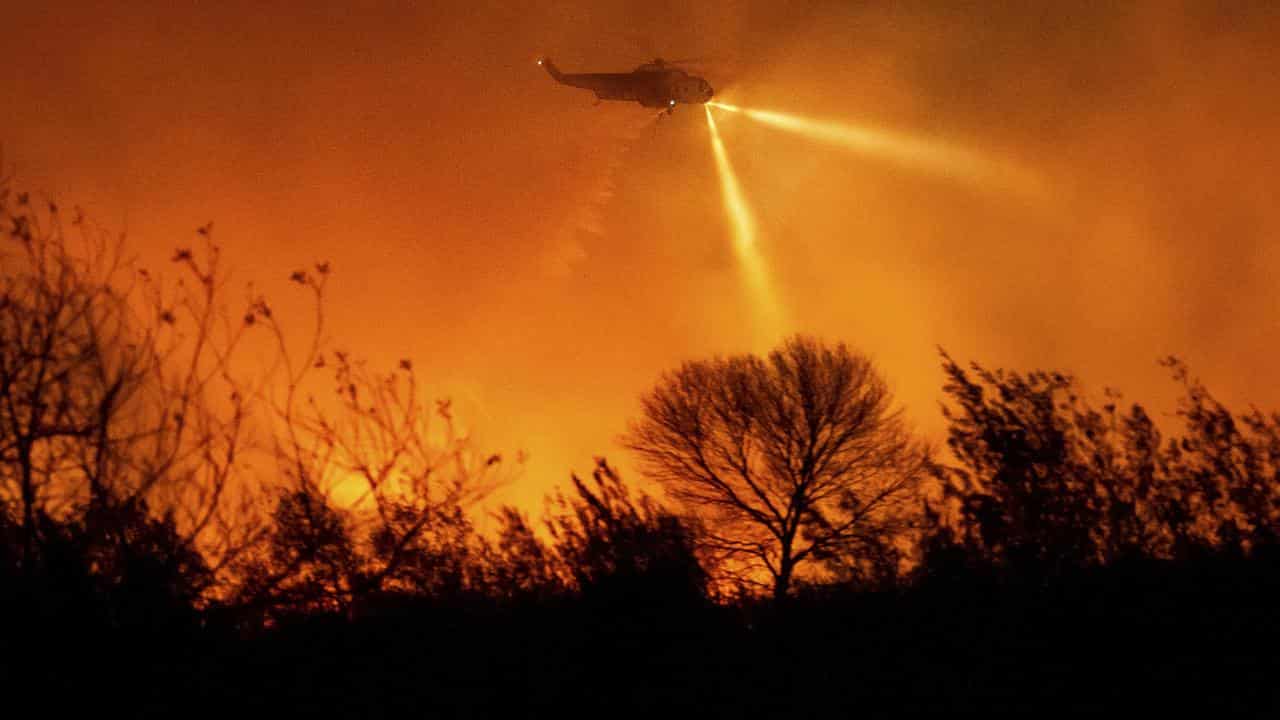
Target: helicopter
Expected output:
[656,84]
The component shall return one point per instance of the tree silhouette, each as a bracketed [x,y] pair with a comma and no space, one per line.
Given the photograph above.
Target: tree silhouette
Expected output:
[406,475]
[117,406]
[789,461]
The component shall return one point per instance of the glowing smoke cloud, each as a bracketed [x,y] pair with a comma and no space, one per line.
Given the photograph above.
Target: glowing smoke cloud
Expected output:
[769,313]
[929,156]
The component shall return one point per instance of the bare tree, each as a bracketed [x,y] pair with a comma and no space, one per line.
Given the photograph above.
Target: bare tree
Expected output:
[118,407]
[55,396]
[412,473]
[792,461]
[405,475]
[128,409]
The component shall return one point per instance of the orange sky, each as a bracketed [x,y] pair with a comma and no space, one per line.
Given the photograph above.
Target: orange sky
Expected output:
[542,260]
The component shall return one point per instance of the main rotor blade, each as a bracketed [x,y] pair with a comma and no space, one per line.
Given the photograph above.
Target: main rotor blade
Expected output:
[688,60]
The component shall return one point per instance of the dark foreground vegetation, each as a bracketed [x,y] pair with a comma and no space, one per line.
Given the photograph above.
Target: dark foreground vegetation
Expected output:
[188,529]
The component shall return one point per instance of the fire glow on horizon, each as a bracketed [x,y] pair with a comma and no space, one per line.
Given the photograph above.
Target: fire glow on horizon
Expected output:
[769,313]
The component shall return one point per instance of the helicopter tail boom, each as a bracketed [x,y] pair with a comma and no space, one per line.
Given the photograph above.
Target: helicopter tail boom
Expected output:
[552,70]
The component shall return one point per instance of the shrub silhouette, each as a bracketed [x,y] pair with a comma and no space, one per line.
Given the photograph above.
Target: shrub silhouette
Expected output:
[621,549]
[1046,483]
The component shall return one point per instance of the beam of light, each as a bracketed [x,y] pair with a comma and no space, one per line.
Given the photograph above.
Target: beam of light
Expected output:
[923,155]
[769,314]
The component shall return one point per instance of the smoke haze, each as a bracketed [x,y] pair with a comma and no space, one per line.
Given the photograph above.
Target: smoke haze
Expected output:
[543,259]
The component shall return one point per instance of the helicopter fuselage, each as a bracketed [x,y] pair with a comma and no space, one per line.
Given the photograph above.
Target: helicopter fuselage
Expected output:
[653,85]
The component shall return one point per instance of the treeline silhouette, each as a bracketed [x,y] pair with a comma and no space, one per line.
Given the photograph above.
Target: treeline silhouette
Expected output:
[205,512]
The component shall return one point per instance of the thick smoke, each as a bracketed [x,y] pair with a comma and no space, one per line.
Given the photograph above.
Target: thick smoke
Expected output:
[483,221]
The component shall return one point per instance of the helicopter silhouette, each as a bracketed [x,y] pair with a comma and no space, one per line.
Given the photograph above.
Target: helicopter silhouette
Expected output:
[656,84]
